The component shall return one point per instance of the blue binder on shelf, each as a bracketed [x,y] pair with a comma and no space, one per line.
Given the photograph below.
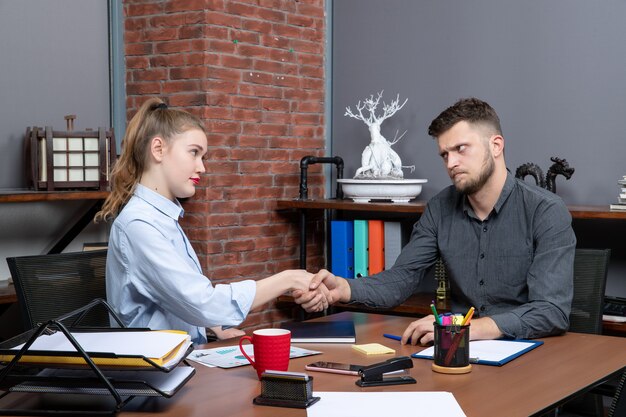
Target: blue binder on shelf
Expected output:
[342,248]
[361,260]
[491,352]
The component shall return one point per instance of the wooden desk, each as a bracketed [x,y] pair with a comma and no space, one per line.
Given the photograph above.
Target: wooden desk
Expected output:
[530,385]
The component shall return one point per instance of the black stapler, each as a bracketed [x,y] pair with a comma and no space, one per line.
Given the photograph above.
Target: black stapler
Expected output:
[372,375]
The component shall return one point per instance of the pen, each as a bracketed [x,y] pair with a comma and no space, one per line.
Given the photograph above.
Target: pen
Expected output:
[468,316]
[394,337]
[434,310]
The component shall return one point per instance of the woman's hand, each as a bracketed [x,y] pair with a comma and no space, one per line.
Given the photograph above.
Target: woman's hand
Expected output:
[317,298]
[228,333]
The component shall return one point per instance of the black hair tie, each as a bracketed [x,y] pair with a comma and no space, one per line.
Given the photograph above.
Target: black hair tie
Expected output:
[161,106]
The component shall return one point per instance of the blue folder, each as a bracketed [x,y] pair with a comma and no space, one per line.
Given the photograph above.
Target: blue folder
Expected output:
[493,356]
[342,248]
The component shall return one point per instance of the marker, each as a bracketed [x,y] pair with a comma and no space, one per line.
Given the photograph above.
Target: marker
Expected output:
[434,310]
[468,316]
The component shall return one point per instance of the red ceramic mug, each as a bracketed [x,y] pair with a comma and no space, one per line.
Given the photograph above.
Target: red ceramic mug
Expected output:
[271,349]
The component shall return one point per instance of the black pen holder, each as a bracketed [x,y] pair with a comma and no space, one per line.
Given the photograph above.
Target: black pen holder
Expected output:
[452,349]
[288,389]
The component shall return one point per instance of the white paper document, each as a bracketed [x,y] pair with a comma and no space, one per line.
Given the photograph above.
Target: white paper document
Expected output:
[376,404]
[490,352]
[150,344]
[230,356]
[615,319]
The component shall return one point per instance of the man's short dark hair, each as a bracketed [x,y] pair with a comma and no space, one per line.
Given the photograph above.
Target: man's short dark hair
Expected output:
[471,110]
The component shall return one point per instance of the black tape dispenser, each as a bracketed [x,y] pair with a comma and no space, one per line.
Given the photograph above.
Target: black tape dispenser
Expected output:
[286,389]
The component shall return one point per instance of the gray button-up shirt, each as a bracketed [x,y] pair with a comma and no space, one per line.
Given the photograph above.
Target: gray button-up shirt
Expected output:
[516,266]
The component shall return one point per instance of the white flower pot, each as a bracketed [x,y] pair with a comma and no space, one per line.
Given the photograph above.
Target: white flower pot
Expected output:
[398,191]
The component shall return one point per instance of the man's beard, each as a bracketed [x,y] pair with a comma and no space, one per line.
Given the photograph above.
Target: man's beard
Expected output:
[474,185]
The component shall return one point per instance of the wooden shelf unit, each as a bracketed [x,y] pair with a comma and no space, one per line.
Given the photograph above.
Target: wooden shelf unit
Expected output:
[7,293]
[27,196]
[578,212]
[416,304]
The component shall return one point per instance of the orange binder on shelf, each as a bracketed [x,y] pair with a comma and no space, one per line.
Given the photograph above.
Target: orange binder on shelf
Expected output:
[376,241]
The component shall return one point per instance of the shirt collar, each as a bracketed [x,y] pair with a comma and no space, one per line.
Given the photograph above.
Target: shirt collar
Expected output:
[170,208]
[506,191]
[504,194]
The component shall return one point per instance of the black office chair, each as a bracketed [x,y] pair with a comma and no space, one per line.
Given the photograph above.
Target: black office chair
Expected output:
[618,406]
[49,286]
[590,272]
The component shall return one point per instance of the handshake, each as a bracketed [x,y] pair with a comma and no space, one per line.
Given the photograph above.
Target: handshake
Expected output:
[316,292]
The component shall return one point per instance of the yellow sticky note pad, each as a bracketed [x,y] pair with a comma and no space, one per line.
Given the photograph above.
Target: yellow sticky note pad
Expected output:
[373,349]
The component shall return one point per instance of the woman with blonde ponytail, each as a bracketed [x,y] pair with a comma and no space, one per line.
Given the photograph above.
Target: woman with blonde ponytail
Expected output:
[154,278]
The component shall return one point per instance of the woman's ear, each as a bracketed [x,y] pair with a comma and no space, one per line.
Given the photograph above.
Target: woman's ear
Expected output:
[157,148]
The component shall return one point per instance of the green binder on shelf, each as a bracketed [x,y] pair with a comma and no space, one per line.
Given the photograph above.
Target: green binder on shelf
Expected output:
[361,261]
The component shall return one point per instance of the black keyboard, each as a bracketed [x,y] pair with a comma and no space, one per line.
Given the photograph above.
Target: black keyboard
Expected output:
[615,306]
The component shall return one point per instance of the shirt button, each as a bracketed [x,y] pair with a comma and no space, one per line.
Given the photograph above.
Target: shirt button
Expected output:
[482,255]
[482,282]
[482,308]
[485,229]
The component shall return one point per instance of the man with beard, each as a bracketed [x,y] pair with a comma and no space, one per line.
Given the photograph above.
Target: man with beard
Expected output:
[508,246]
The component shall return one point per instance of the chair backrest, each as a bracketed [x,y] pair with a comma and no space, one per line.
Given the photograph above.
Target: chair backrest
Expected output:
[49,286]
[590,271]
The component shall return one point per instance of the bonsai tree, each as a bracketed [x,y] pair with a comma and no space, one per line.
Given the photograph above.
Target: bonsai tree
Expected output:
[378,160]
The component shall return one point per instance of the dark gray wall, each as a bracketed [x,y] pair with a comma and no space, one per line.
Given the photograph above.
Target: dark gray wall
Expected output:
[554,71]
[54,61]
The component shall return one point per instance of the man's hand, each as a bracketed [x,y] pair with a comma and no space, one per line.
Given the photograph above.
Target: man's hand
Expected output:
[333,288]
[313,301]
[421,331]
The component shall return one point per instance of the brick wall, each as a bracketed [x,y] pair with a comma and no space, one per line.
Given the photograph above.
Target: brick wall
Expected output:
[254,72]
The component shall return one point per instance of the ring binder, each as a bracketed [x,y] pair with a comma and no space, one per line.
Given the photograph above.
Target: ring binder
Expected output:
[85,376]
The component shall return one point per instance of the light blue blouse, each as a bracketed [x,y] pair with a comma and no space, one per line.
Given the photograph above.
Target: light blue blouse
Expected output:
[154,278]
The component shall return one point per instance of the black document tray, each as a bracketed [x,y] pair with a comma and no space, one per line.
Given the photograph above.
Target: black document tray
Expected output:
[89,378]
